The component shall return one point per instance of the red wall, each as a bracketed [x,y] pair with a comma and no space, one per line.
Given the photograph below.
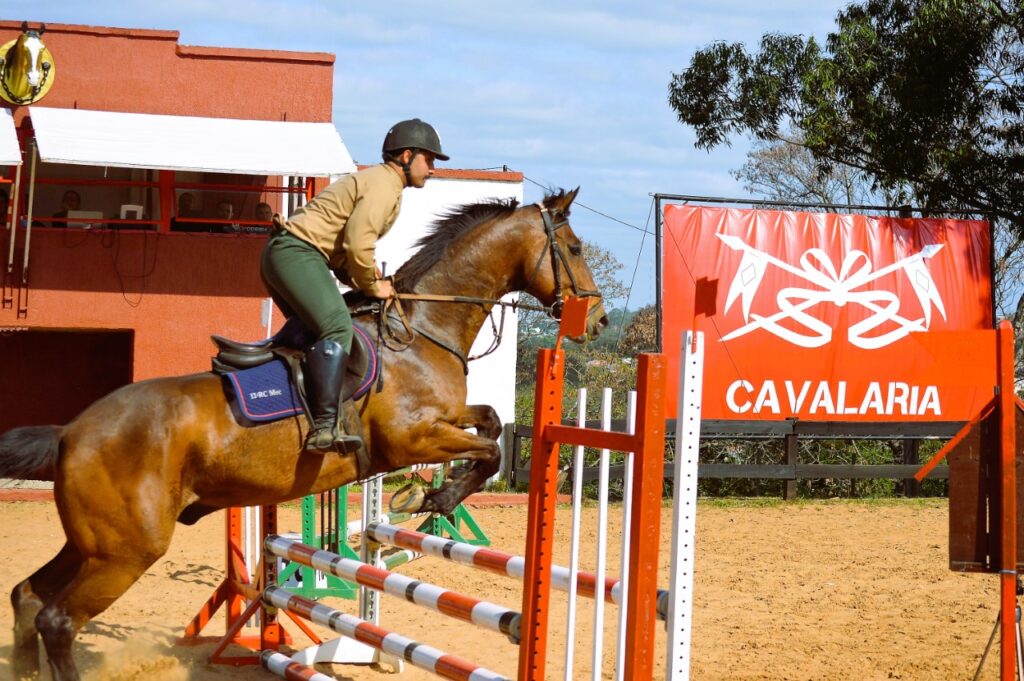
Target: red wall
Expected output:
[144,71]
[173,290]
[135,305]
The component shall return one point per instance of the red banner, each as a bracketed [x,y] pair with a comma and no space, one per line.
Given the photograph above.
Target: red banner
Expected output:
[829,317]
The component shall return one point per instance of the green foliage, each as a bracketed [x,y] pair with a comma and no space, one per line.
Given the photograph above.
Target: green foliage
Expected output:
[833,452]
[641,334]
[922,96]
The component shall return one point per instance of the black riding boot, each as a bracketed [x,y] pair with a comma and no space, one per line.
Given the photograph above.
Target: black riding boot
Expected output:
[325,372]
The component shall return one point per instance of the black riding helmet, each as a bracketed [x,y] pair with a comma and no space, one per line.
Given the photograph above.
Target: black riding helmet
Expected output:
[413,134]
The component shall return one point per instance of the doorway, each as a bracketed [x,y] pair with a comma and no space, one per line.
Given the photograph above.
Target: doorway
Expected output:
[49,376]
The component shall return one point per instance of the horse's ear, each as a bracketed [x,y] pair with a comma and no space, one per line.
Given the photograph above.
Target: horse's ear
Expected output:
[24,27]
[42,29]
[565,201]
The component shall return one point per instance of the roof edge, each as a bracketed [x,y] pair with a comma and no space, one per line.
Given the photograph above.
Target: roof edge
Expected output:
[151,33]
[254,54]
[182,50]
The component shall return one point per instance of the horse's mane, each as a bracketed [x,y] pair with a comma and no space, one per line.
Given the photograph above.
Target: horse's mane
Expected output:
[448,228]
[10,55]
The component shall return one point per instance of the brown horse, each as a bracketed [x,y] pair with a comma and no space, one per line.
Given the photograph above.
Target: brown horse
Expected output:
[168,449]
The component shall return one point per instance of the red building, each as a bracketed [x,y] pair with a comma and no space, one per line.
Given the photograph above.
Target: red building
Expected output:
[128,281]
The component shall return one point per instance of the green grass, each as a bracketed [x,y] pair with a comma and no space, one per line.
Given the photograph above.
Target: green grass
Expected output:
[770,502]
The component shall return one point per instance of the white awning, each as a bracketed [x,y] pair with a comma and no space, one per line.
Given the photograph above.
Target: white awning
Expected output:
[221,145]
[10,153]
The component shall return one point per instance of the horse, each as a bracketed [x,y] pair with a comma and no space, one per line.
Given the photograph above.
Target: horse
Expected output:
[27,67]
[168,450]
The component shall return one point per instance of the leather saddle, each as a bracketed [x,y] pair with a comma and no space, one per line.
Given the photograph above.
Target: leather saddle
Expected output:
[290,344]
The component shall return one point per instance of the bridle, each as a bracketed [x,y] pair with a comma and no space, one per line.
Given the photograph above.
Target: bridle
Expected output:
[557,256]
[391,309]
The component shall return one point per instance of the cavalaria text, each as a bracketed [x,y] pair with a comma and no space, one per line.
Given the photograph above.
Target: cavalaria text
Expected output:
[894,398]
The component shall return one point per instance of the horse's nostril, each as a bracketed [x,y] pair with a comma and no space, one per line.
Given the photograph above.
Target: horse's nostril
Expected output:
[603,321]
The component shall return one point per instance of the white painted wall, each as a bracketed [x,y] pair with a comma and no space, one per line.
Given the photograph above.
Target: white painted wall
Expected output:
[491,379]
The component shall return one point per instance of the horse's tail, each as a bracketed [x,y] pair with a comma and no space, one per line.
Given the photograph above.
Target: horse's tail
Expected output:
[30,453]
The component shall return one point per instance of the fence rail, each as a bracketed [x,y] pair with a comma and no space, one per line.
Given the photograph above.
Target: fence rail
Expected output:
[517,469]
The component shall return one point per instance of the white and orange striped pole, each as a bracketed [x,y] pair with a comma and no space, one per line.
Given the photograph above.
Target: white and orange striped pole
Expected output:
[496,562]
[415,653]
[451,603]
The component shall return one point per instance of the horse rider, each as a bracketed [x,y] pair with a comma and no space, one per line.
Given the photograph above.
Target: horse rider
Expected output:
[337,231]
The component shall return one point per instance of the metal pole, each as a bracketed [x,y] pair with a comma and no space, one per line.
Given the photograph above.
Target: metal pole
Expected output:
[1008,504]
[540,536]
[645,518]
[574,541]
[797,204]
[34,154]
[679,620]
[657,273]
[13,224]
[992,266]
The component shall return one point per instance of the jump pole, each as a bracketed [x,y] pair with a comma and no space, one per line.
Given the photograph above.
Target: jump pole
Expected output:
[444,601]
[1002,510]
[349,626]
[1008,503]
[648,446]
[499,563]
[684,507]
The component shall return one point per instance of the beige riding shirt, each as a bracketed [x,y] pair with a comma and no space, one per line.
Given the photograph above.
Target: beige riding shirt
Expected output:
[345,220]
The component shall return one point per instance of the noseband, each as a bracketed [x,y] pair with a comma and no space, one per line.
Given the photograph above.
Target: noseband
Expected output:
[558,256]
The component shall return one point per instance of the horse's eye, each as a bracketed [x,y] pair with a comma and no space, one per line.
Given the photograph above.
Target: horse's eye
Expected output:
[576,249]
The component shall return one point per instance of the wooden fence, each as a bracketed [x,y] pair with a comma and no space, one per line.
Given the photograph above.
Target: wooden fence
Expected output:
[516,467]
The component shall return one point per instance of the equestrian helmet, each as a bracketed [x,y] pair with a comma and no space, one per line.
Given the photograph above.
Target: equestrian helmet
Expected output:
[413,134]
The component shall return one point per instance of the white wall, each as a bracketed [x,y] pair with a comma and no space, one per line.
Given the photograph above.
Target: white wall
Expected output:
[492,378]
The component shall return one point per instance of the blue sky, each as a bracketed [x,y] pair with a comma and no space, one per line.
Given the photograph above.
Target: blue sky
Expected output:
[570,93]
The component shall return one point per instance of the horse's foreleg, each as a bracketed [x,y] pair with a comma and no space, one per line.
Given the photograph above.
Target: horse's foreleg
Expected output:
[483,418]
[450,442]
[27,599]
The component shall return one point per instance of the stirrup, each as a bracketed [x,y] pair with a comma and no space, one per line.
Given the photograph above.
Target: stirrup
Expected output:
[326,439]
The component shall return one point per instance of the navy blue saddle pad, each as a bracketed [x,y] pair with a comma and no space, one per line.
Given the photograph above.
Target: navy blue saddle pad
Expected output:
[268,393]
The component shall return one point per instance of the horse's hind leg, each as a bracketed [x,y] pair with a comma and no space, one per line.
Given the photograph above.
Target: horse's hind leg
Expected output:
[118,536]
[99,582]
[28,598]
[450,442]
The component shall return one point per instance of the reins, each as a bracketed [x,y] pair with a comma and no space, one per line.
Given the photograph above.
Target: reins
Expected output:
[391,309]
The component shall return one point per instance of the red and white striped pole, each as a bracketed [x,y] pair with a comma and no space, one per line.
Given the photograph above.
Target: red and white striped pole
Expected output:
[496,562]
[290,670]
[450,603]
[418,654]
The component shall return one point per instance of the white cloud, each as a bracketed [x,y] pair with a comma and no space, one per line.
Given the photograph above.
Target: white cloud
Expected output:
[570,93]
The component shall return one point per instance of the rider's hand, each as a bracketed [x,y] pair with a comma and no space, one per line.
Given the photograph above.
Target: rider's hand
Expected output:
[384,289]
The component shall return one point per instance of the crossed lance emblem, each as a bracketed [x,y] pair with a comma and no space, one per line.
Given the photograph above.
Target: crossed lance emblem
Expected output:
[837,287]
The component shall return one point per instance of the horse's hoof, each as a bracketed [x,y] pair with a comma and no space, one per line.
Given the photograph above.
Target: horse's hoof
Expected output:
[25,671]
[409,499]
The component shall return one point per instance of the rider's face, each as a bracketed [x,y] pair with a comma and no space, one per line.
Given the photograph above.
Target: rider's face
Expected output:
[421,167]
